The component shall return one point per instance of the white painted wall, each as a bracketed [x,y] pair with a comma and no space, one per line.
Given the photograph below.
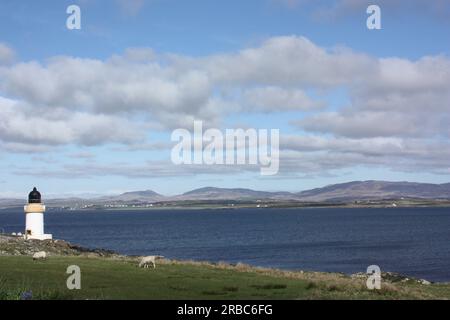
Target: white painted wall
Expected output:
[35,223]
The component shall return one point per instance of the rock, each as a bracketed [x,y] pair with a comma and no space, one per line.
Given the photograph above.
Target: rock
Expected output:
[391,277]
[10,245]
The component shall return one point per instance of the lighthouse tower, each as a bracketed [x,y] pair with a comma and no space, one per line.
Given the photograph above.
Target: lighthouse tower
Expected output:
[34,217]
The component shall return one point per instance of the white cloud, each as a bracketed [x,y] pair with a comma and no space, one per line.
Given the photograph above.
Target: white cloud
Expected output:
[273,99]
[113,86]
[289,60]
[170,89]
[397,113]
[363,124]
[21,125]
[7,55]
[399,98]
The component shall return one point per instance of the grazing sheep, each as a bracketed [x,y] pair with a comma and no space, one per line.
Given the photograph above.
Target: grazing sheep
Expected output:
[146,261]
[41,255]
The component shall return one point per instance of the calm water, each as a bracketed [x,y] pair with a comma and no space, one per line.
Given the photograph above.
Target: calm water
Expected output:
[413,241]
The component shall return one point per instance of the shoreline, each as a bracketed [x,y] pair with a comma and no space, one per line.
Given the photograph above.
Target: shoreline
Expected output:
[107,275]
[57,247]
[249,206]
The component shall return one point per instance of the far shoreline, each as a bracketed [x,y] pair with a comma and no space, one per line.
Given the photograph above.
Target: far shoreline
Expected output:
[368,204]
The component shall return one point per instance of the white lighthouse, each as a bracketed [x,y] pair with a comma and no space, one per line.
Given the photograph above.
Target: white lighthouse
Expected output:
[34,217]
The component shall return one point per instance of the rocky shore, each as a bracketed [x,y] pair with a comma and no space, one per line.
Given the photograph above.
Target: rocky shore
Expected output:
[18,246]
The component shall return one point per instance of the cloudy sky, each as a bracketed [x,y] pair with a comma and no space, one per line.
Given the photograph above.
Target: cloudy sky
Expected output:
[91,111]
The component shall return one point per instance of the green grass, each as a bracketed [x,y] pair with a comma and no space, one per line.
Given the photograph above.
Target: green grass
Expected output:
[121,279]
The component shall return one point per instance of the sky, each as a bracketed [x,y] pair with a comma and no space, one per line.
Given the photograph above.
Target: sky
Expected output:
[91,111]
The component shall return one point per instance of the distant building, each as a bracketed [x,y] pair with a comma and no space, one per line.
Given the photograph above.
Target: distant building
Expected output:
[34,217]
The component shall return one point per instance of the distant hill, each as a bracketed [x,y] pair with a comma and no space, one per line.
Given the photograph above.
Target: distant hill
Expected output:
[344,192]
[350,191]
[369,190]
[210,193]
[139,196]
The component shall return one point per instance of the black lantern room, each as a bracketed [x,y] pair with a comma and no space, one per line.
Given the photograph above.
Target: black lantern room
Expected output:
[34,196]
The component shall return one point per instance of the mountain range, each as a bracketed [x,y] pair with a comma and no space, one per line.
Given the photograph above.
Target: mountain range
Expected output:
[350,191]
[344,192]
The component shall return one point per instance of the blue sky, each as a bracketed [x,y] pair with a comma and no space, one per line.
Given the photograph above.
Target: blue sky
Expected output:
[380,76]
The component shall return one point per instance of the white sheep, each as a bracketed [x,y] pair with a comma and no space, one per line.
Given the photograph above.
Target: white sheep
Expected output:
[41,255]
[146,261]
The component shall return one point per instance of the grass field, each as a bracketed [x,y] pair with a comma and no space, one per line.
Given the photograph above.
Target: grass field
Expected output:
[104,278]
